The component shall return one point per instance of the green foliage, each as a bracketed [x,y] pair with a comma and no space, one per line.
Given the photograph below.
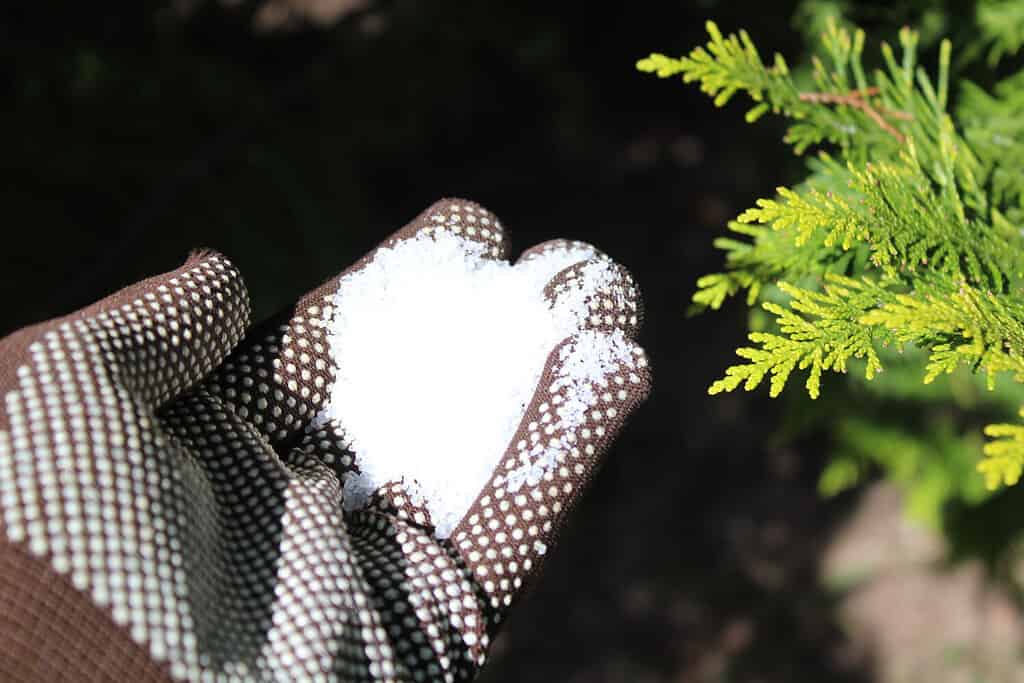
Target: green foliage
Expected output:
[906,235]
[987,30]
[934,465]
[924,437]
[819,331]
[731,64]
[1005,454]
[1002,24]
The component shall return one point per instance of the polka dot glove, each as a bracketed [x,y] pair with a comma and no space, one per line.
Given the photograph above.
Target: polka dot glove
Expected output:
[171,510]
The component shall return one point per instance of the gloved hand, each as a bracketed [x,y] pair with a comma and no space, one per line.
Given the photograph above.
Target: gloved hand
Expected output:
[171,509]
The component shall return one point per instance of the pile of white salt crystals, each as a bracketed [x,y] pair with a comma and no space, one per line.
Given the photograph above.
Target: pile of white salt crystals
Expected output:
[438,352]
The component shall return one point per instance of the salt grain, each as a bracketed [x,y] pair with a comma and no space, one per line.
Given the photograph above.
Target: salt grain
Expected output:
[438,351]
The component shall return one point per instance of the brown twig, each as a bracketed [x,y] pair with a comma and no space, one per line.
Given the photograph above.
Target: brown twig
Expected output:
[857,100]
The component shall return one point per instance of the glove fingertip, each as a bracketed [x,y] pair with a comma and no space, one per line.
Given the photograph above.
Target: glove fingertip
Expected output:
[601,294]
[563,250]
[467,219]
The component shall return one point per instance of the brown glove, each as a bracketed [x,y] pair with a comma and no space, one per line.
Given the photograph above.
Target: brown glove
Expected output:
[172,510]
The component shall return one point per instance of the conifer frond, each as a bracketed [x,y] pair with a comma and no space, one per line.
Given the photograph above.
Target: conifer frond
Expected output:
[994,128]
[966,326]
[768,255]
[804,214]
[852,318]
[911,219]
[714,289]
[916,203]
[1004,461]
[727,65]
[910,232]
[1002,23]
[866,114]
[819,331]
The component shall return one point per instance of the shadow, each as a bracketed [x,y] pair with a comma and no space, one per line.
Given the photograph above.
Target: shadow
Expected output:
[415,624]
[230,494]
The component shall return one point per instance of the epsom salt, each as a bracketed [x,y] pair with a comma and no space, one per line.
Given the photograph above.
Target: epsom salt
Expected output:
[438,351]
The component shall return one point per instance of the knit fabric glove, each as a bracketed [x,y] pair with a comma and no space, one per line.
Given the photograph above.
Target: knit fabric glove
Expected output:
[171,510]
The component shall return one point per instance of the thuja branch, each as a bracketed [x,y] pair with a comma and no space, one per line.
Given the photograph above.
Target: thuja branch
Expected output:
[857,100]
[907,231]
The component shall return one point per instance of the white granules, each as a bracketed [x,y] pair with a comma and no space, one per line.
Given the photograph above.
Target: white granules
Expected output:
[438,351]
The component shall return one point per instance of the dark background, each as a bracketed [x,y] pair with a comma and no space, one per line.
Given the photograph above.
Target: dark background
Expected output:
[294,141]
